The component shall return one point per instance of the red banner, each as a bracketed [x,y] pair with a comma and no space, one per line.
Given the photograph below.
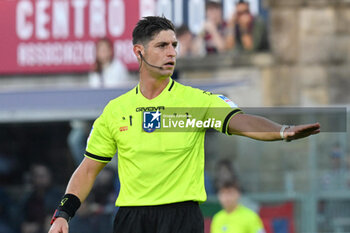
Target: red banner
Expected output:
[50,36]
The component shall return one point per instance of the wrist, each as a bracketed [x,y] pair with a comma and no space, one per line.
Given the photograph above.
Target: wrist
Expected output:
[60,214]
[67,208]
[282,131]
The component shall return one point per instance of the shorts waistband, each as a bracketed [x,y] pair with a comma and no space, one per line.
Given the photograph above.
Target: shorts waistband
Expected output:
[170,205]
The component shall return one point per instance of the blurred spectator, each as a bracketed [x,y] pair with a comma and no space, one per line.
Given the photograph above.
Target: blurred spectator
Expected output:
[8,168]
[108,71]
[5,214]
[213,32]
[77,139]
[234,217]
[244,31]
[224,172]
[96,213]
[336,176]
[188,45]
[337,156]
[104,192]
[39,202]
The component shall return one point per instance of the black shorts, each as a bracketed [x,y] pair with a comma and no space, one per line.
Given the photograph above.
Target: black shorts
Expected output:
[183,217]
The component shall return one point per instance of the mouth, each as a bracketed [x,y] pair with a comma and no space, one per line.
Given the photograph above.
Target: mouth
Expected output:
[170,64]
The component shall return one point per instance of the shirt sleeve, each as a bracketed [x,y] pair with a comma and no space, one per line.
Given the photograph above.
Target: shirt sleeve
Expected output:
[222,109]
[101,146]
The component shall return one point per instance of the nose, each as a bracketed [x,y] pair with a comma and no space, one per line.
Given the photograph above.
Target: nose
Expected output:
[172,51]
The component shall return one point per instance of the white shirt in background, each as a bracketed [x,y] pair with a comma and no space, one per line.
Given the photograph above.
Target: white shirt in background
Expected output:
[112,76]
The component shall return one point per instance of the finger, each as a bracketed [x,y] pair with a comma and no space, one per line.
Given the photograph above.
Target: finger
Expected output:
[315,125]
[313,131]
[305,133]
[65,230]
[316,131]
[289,134]
[52,229]
[301,134]
[306,128]
[55,230]
[311,126]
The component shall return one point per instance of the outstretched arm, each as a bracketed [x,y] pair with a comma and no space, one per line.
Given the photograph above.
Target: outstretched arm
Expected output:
[260,128]
[79,185]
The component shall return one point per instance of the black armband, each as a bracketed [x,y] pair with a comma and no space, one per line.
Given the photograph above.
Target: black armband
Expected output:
[67,208]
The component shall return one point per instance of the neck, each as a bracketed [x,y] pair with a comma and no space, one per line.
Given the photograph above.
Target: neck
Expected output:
[230,209]
[151,87]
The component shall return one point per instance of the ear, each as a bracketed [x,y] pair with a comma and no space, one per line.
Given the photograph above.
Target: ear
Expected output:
[137,49]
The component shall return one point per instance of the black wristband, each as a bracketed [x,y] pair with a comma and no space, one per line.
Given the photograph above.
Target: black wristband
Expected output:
[69,204]
[67,208]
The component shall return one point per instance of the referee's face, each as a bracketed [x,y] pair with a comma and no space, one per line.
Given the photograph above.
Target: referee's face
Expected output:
[161,52]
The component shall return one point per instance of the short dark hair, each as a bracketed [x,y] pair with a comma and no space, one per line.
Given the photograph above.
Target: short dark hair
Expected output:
[242,2]
[148,27]
[229,184]
[210,3]
[182,30]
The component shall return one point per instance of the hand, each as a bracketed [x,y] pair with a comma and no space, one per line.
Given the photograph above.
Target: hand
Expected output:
[210,27]
[60,225]
[301,131]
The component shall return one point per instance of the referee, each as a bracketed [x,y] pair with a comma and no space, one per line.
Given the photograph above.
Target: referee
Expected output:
[161,173]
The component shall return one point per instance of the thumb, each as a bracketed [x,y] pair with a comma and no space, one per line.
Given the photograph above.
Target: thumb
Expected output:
[289,134]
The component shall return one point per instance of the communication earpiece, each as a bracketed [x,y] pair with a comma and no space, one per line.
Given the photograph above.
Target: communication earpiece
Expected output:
[142,58]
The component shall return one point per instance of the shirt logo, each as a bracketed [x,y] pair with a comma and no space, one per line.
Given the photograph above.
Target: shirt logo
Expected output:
[149,109]
[63,201]
[151,121]
[224,228]
[123,128]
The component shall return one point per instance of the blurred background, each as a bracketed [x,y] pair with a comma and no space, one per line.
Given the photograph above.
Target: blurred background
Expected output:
[61,61]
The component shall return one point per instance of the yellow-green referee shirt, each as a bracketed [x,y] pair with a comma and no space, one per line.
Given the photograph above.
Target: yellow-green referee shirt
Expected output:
[159,161]
[241,220]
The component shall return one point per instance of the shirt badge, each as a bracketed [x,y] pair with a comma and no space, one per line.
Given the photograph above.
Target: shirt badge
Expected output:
[228,101]
[151,121]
